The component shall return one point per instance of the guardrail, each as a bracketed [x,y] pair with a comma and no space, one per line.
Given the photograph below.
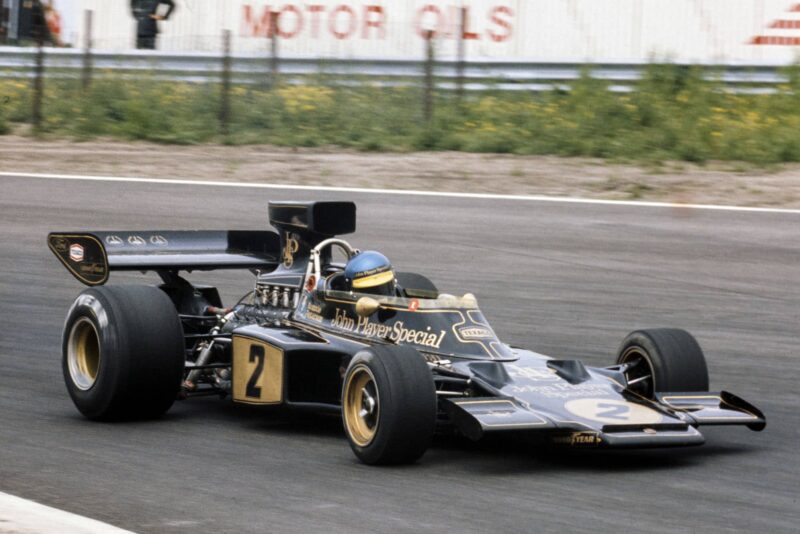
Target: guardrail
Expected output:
[477,73]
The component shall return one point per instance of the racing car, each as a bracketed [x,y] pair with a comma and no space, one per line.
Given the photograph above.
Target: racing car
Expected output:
[397,358]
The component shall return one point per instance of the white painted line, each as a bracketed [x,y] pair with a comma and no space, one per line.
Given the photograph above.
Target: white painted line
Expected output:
[409,192]
[20,516]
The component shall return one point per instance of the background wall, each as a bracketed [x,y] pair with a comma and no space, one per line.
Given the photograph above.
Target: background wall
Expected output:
[748,31]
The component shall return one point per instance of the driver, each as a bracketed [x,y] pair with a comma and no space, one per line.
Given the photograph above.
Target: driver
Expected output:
[370,272]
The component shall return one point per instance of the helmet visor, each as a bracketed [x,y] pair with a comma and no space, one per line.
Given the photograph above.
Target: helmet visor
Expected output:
[373,280]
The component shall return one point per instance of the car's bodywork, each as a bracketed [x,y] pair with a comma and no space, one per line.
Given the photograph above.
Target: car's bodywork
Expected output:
[290,341]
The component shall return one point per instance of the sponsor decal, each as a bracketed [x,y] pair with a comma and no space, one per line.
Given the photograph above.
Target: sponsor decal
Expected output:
[113,240]
[373,277]
[136,240]
[314,312]
[94,269]
[584,438]
[784,31]
[413,305]
[291,248]
[535,374]
[159,240]
[354,21]
[563,390]
[76,253]
[395,332]
[579,439]
[611,411]
[475,332]
[371,272]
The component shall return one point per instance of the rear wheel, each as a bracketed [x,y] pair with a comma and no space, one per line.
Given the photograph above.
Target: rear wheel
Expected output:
[663,360]
[123,352]
[389,405]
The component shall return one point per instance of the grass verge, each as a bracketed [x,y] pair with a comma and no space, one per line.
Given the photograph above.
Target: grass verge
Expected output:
[674,114]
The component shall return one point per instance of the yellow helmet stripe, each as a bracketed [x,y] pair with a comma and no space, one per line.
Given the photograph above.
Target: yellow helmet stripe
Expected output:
[373,280]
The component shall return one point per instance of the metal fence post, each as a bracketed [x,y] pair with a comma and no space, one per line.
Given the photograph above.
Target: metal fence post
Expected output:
[461,53]
[427,109]
[225,97]
[5,20]
[86,78]
[274,69]
[38,82]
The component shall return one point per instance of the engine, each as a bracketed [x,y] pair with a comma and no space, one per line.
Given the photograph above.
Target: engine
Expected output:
[209,364]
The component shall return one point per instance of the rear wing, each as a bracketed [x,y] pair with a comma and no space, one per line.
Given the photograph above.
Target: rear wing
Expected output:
[90,257]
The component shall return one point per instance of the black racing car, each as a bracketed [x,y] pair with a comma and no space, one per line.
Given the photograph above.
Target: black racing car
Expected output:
[397,365]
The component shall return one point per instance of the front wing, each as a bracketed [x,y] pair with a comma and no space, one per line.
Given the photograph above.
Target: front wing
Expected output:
[670,421]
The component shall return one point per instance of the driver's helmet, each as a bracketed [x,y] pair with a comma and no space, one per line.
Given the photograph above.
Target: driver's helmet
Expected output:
[370,272]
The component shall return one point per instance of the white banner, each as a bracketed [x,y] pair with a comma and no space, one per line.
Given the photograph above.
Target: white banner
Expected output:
[747,31]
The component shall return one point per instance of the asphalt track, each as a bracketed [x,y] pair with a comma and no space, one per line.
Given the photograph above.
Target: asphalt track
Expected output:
[565,279]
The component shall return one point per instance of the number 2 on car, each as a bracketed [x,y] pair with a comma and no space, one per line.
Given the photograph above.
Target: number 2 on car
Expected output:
[257,372]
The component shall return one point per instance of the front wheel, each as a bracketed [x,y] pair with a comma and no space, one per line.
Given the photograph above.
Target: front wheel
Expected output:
[389,405]
[123,352]
[663,360]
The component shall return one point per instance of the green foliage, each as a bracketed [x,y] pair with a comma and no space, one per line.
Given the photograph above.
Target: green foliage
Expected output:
[675,113]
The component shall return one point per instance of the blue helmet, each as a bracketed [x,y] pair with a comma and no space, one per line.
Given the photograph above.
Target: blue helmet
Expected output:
[371,272]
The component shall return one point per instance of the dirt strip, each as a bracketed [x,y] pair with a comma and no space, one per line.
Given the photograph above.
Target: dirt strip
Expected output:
[715,183]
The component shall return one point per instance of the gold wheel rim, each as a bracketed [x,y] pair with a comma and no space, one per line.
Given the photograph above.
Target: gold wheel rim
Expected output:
[83,354]
[361,406]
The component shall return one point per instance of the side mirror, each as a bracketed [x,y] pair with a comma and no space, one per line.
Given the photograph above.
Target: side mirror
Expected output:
[366,306]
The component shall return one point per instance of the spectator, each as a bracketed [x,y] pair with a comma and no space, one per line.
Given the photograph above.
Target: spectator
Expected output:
[53,19]
[146,14]
[39,29]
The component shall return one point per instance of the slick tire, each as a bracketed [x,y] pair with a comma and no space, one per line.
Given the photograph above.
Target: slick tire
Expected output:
[123,352]
[671,357]
[389,405]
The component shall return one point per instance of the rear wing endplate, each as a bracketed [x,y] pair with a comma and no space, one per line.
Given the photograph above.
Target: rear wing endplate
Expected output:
[90,257]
